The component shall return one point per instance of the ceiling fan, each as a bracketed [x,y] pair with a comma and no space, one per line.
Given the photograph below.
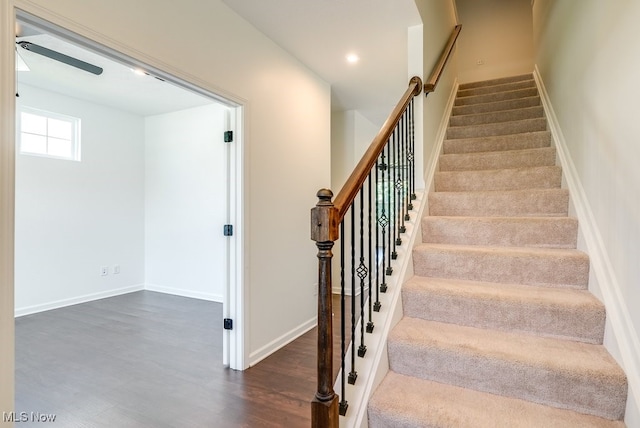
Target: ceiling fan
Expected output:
[57,56]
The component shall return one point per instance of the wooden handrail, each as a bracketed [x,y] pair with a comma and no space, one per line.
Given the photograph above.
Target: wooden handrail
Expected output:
[353,184]
[326,217]
[430,85]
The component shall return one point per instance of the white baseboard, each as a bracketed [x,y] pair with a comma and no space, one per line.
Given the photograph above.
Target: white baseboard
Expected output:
[260,354]
[606,285]
[185,293]
[28,310]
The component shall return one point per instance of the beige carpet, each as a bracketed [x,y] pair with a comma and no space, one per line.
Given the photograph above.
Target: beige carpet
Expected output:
[499,329]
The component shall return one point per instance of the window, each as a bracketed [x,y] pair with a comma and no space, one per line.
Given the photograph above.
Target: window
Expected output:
[49,134]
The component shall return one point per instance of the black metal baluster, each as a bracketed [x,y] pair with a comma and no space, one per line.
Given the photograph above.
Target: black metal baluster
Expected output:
[384,221]
[412,156]
[405,158]
[344,404]
[377,305]
[370,324]
[353,374]
[401,175]
[362,274]
[393,190]
[389,193]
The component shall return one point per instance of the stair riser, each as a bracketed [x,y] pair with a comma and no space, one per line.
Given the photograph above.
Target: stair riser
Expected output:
[538,384]
[538,203]
[508,232]
[494,129]
[500,96]
[498,160]
[544,317]
[494,82]
[533,140]
[497,117]
[496,106]
[549,177]
[483,90]
[503,267]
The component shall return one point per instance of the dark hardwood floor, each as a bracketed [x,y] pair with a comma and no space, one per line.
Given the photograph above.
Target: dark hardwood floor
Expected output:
[148,359]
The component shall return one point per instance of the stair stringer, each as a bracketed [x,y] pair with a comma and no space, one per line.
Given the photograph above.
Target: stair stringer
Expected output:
[621,338]
[375,364]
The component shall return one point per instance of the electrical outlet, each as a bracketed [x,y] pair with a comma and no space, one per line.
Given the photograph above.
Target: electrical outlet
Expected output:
[116,269]
[104,270]
[480,62]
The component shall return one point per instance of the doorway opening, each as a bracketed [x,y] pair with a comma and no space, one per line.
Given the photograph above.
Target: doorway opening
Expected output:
[144,205]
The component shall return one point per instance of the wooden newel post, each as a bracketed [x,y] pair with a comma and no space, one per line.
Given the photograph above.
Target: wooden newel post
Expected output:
[324,231]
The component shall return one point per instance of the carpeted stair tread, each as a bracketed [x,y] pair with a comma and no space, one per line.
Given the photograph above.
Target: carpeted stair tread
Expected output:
[519,203]
[498,96]
[494,82]
[560,373]
[492,129]
[542,177]
[407,402]
[541,232]
[496,106]
[545,156]
[490,89]
[551,312]
[529,140]
[499,328]
[497,117]
[544,267]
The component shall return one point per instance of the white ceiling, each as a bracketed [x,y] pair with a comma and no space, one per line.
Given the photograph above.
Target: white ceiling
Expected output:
[320,33]
[118,86]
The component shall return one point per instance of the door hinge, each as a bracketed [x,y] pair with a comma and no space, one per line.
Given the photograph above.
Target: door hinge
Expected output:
[228,136]
[228,324]
[228,230]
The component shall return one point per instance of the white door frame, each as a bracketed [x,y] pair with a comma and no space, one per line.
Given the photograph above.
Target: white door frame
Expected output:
[60,26]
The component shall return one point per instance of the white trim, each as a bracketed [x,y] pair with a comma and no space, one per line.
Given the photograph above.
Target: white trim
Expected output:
[607,286]
[184,293]
[7,195]
[28,310]
[282,341]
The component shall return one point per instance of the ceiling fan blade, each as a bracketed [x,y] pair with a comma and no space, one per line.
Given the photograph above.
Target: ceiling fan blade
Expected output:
[74,62]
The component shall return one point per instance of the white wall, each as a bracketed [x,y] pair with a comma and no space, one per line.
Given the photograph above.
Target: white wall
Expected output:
[351,136]
[588,56]
[286,129]
[185,202]
[74,217]
[439,20]
[497,32]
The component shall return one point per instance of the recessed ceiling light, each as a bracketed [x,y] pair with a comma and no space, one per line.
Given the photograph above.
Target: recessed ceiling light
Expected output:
[138,71]
[353,58]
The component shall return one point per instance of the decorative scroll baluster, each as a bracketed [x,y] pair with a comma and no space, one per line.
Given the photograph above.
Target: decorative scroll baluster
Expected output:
[362,274]
[399,185]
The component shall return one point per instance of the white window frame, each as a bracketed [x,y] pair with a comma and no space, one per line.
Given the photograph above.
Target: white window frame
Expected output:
[75,133]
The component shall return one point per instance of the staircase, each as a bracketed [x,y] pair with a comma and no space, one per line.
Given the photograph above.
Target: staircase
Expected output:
[499,329]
